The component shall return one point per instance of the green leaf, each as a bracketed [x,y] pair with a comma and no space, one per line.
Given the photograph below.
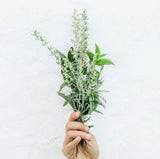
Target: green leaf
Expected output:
[98,74]
[67,98]
[64,78]
[97,49]
[62,62]
[94,104]
[103,91]
[99,83]
[65,103]
[102,55]
[84,71]
[90,55]
[63,85]
[60,54]
[104,61]
[86,120]
[83,118]
[90,126]
[70,56]
[100,103]
[98,111]
[103,98]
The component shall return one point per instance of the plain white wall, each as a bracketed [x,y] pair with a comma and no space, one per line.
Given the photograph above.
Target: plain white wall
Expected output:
[32,117]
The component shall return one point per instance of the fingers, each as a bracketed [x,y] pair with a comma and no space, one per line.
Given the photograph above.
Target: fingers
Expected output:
[74,116]
[72,144]
[69,147]
[75,131]
[72,128]
[73,134]
[74,125]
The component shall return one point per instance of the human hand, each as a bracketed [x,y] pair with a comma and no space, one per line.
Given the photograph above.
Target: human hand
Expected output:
[75,132]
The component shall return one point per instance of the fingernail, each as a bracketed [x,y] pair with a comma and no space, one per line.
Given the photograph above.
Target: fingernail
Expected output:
[88,136]
[77,114]
[86,128]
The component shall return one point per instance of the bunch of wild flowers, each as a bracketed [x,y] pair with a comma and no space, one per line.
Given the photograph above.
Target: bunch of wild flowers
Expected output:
[81,70]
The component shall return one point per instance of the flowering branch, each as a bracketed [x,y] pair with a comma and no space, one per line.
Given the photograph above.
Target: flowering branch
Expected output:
[81,69]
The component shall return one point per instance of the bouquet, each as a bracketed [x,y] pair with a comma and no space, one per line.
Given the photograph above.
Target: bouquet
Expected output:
[81,70]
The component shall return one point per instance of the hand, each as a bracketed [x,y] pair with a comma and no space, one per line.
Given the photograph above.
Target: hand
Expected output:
[75,132]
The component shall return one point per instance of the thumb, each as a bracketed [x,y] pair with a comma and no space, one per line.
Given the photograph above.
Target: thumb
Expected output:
[73,144]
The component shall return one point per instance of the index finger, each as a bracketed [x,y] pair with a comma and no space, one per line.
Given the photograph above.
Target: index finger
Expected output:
[74,116]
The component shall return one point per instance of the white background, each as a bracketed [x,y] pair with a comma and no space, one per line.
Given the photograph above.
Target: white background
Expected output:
[32,118]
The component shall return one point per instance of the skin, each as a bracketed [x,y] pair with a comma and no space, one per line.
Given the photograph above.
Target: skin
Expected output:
[75,131]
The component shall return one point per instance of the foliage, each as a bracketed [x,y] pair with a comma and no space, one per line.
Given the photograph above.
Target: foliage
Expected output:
[80,69]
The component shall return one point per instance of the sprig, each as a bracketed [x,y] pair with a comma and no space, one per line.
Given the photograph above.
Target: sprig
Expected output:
[81,70]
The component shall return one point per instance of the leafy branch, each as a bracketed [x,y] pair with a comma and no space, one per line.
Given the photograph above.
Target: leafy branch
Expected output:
[81,70]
